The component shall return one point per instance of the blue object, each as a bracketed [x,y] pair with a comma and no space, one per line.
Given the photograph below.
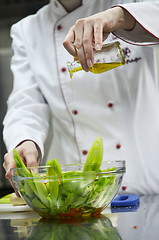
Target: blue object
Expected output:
[125,200]
[125,209]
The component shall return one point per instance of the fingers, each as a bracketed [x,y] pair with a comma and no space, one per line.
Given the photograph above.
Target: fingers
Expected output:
[78,31]
[98,35]
[8,164]
[84,43]
[83,37]
[69,42]
[28,152]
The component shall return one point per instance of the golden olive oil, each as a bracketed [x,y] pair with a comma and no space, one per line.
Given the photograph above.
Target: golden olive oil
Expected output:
[74,70]
[103,67]
[98,67]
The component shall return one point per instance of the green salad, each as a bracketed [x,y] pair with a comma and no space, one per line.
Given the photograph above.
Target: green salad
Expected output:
[53,192]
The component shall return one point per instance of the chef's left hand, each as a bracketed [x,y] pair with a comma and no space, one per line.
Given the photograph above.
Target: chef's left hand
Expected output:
[29,153]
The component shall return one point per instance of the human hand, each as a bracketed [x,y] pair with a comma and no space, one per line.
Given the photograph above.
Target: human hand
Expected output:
[88,33]
[28,152]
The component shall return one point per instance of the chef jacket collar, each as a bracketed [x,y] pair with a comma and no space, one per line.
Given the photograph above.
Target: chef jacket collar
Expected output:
[58,10]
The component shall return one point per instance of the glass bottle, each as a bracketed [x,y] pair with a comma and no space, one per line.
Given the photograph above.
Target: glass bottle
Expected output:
[109,57]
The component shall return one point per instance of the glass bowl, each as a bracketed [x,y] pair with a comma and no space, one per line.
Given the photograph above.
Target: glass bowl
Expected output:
[74,193]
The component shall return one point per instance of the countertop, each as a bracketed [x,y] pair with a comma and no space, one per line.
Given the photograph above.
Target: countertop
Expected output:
[137,223]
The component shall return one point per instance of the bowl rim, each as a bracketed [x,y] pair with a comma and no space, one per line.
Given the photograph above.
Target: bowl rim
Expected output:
[121,170]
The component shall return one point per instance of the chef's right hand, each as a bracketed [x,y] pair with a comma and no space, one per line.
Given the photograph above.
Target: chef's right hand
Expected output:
[29,153]
[89,33]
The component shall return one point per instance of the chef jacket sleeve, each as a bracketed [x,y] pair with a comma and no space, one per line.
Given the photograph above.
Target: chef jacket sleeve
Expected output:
[28,113]
[146,31]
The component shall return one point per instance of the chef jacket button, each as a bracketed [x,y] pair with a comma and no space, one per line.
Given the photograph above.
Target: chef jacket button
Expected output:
[124,188]
[59,27]
[110,104]
[63,69]
[84,152]
[118,146]
[75,112]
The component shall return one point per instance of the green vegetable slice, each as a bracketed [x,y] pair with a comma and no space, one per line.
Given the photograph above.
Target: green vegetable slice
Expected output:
[95,156]
[54,173]
[20,164]
[30,188]
[5,199]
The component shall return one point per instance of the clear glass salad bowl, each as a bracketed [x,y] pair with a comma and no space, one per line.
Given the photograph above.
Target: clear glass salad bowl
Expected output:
[71,193]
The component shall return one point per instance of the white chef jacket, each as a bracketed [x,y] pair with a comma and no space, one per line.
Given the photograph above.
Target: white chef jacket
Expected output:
[121,105]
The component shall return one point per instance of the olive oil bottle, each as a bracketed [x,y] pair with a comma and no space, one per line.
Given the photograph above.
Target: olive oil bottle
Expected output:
[110,56]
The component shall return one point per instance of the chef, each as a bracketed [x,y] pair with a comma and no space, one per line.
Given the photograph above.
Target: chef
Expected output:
[51,116]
